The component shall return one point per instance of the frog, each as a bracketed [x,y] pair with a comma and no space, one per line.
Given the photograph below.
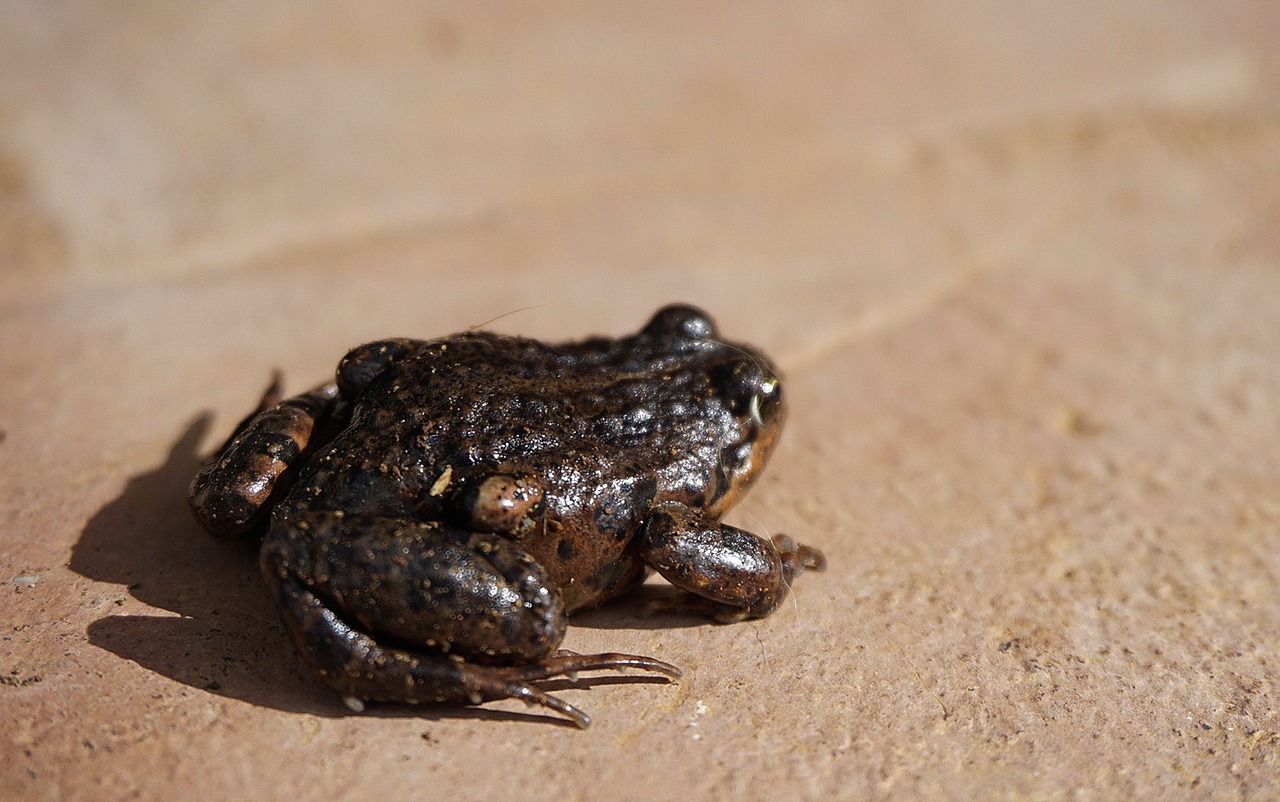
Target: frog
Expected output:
[431,518]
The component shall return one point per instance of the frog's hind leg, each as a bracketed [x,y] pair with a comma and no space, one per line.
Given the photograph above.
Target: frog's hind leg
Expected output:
[232,493]
[404,611]
[361,669]
[730,574]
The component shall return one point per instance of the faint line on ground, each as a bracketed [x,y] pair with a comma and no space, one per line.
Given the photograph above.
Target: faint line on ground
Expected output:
[878,319]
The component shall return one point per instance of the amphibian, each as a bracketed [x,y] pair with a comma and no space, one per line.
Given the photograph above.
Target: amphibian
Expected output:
[431,517]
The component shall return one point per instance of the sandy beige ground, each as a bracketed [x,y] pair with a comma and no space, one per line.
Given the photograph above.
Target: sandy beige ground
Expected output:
[1021,263]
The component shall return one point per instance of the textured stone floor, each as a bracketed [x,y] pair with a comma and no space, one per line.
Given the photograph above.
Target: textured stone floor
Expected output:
[1019,262]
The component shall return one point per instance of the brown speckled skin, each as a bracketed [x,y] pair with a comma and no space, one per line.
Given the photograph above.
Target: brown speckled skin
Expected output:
[435,514]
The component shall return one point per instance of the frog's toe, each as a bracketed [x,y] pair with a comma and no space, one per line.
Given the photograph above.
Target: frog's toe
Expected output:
[509,682]
[533,696]
[568,663]
[798,557]
[502,682]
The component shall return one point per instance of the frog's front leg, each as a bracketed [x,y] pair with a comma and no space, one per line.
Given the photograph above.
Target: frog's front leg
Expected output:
[405,611]
[732,574]
[232,493]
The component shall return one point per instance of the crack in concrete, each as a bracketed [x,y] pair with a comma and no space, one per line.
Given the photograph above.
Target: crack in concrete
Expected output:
[892,314]
[879,319]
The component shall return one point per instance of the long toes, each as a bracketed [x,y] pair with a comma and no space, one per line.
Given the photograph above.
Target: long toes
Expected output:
[594,662]
[509,682]
[533,696]
[573,663]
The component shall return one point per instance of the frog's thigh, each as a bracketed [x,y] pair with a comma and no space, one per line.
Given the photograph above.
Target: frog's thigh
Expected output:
[231,492]
[441,589]
[737,574]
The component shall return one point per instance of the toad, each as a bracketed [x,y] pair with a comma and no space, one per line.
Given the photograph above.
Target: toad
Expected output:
[429,519]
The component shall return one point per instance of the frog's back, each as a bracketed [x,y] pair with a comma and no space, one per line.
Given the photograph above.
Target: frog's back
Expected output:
[579,415]
[601,405]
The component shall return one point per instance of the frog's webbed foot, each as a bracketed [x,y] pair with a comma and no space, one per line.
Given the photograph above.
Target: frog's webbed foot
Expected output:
[404,611]
[729,574]
[233,492]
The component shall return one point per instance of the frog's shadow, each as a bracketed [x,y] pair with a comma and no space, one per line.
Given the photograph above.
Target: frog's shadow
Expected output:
[225,637]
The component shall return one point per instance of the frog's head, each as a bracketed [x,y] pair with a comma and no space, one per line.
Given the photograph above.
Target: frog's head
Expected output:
[742,381]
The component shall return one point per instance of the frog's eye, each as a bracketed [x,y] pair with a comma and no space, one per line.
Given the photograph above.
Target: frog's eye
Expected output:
[682,320]
[767,401]
[363,363]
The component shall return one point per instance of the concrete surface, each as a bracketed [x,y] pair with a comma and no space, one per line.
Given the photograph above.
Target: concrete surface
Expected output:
[1020,263]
